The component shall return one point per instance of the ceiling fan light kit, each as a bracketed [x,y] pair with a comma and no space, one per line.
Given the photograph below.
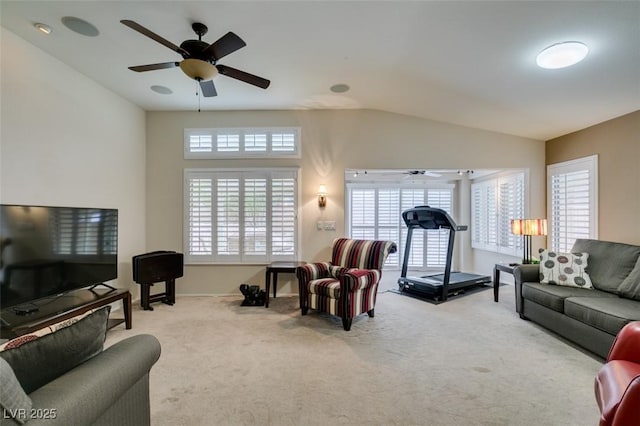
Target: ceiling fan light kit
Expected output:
[200,59]
[198,70]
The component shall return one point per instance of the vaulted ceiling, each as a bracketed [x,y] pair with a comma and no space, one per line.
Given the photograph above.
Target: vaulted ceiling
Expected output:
[470,63]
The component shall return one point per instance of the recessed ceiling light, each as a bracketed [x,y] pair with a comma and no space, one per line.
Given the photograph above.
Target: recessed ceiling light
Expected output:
[339,88]
[562,55]
[162,90]
[80,26]
[43,28]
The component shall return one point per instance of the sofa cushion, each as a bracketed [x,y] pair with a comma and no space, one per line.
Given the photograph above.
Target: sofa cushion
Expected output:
[630,287]
[14,401]
[37,362]
[553,296]
[604,313]
[565,269]
[327,287]
[609,263]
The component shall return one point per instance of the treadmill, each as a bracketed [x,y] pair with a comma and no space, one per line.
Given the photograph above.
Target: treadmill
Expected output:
[439,286]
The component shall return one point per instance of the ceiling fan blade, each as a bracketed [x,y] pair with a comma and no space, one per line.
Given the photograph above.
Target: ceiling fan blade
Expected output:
[226,44]
[208,88]
[151,67]
[243,76]
[153,36]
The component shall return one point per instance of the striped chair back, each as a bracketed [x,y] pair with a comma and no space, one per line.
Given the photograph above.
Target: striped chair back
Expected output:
[363,254]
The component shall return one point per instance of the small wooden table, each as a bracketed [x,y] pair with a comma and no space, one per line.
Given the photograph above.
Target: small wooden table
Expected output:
[273,269]
[504,267]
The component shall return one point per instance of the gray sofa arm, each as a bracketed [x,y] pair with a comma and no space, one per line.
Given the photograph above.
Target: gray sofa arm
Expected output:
[84,394]
[524,274]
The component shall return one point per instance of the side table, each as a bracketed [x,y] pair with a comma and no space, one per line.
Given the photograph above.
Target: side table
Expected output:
[504,267]
[274,268]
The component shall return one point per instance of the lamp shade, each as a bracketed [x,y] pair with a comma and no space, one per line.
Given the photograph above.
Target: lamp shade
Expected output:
[529,226]
[198,69]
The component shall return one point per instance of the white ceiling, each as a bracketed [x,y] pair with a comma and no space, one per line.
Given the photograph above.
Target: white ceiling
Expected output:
[470,63]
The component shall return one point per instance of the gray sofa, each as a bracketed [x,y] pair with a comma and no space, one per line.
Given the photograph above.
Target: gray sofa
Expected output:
[590,318]
[111,388]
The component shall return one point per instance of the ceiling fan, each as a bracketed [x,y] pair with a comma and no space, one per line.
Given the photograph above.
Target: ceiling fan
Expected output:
[199,58]
[410,173]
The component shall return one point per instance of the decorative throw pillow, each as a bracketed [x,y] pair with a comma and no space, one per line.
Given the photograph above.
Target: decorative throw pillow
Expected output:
[566,269]
[21,340]
[37,362]
[14,402]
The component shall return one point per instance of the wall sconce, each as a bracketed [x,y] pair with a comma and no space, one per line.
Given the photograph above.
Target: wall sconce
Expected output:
[322,196]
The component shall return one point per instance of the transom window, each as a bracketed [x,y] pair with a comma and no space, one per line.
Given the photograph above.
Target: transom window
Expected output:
[241,216]
[273,142]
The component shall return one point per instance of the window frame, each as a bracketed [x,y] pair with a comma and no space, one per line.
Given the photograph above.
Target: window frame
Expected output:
[242,151]
[589,163]
[241,258]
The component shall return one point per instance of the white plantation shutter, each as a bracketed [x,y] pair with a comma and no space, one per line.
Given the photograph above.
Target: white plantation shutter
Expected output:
[200,216]
[228,142]
[510,206]
[387,210]
[228,217]
[276,142]
[494,202]
[200,143]
[255,217]
[283,216]
[438,240]
[411,198]
[240,216]
[375,212]
[255,142]
[283,142]
[363,216]
[572,202]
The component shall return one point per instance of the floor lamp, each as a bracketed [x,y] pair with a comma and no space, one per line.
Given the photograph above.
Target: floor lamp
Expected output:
[528,228]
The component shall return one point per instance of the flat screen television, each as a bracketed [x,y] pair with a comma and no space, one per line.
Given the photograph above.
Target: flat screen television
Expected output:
[46,252]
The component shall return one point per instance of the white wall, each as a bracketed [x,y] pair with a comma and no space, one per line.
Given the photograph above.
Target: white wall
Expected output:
[67,141]
[331,142]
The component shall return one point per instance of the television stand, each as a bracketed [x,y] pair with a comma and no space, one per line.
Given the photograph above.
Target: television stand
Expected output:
[64,307]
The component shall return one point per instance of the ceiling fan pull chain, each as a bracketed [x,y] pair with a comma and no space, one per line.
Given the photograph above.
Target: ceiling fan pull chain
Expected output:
[198,93]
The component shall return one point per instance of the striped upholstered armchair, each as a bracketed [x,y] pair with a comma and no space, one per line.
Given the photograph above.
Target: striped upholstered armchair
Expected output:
[347,286]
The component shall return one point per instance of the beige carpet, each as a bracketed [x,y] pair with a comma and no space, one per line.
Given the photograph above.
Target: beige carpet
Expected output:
[469,361]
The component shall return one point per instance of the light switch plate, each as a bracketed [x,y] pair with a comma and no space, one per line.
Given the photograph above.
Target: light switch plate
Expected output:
[329,225]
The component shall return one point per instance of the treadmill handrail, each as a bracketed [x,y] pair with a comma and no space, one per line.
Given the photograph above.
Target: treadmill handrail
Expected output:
[426,217]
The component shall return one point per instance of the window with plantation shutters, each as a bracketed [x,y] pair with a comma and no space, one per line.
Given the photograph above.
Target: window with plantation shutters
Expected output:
[241,216]
[494,202]
[375,212]
[572,202]
[273,142]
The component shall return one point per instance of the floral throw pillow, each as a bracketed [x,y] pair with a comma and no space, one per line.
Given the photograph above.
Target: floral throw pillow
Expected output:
[566,269]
